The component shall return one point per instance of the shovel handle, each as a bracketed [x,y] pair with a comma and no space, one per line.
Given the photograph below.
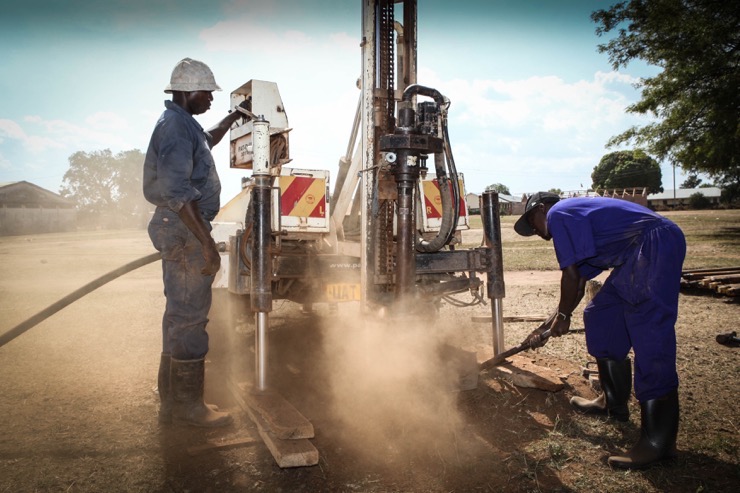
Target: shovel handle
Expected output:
[499,358]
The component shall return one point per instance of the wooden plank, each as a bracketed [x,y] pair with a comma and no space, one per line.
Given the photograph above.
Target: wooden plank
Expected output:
[283,420]
[726,278]
[522,372]
[287,453]
[704,272]
[729,289]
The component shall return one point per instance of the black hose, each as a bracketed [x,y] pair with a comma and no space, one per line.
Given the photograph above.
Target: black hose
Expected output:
[442,238]
[450,212]
[415,89]
[71,298]
[453,177]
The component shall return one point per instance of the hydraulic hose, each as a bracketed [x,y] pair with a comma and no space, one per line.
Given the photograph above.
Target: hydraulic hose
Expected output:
[450,202]
[442,238]
[71,298]
[415,89]
[450,160]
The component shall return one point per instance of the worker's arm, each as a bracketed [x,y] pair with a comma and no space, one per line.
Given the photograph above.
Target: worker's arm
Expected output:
[190,215]
[572,287]
[219,130]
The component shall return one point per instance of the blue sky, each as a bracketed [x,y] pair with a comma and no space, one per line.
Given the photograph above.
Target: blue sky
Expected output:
[533,102]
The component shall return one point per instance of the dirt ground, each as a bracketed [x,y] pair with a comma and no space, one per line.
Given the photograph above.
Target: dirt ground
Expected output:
[78,412]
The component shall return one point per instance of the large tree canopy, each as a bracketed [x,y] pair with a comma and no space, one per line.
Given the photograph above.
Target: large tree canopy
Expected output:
[100,182]
[628,169]
[498,187]
[695,98]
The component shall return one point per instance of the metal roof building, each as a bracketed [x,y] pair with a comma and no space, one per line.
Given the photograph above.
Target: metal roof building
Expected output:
[681,196]
[26,208]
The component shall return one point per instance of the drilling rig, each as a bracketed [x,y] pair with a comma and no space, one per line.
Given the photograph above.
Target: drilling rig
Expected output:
[388,234]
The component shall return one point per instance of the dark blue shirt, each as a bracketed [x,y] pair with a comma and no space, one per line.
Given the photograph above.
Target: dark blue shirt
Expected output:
[179,166]
[598,233]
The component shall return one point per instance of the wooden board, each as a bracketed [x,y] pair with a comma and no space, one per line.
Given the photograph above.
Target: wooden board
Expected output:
[522,372]
[283,420]
[287,453]
[720,280]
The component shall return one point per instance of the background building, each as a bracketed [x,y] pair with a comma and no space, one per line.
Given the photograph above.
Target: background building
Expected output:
[671,199]
[29,209]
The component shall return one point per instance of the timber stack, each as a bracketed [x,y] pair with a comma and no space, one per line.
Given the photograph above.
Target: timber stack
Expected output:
[722,280]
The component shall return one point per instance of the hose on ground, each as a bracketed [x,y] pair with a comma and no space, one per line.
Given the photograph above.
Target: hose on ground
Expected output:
[72,297]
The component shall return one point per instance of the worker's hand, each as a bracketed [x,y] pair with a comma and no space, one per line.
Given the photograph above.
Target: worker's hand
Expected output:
[212,258]
[559,327]
[535,338]
[247,105]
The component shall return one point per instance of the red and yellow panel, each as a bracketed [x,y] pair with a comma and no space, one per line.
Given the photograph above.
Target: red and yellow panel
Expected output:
[433,200]
[303,196]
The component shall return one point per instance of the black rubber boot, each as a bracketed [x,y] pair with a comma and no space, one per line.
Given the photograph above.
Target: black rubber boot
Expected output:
[657,436]
[186,385]
[616,383]
[163,388]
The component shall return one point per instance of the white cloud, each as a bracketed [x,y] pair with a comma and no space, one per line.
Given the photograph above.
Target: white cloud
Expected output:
[10,129]
[544,128]
[4,163]
[244,35]
[344,41]
[38,136]
[107,120]
[31,142]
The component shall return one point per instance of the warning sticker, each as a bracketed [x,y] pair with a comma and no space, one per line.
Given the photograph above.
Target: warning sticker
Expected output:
[303,196]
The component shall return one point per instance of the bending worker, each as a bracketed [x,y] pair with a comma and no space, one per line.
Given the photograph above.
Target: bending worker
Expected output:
[180,178]
[635,309]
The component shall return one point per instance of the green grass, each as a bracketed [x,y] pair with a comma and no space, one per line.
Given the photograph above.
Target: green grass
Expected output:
[712,239]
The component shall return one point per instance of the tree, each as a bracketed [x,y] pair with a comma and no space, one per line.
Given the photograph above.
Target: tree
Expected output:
[695,97]
[101,183]
[699,201]
[692,181]
[555,190]
[627,169]
[729,182]
[498,187]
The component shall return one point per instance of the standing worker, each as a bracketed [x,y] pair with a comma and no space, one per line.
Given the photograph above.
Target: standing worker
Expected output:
[636,308]
[180,178]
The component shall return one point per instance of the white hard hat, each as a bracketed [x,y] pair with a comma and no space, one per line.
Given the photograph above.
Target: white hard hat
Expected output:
[191,75]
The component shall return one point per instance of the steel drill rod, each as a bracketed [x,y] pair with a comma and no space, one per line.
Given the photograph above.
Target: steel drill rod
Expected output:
[260,363]
[495,275]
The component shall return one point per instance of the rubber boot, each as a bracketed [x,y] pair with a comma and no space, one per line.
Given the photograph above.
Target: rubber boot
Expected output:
[186,384]
[163,388]
[616,383]
[657,435]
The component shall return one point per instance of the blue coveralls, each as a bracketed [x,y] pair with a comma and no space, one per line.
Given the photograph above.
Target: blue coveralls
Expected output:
[179,168]
[637,306]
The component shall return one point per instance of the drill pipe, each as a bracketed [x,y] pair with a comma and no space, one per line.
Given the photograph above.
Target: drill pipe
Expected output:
[489,211]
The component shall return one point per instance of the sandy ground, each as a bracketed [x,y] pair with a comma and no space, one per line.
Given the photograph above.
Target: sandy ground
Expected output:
[79,413]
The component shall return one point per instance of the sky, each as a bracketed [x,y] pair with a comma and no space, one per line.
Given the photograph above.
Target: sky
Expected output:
[533,103]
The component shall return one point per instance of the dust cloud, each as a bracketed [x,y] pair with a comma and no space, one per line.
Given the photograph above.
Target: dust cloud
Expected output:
[393,390]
